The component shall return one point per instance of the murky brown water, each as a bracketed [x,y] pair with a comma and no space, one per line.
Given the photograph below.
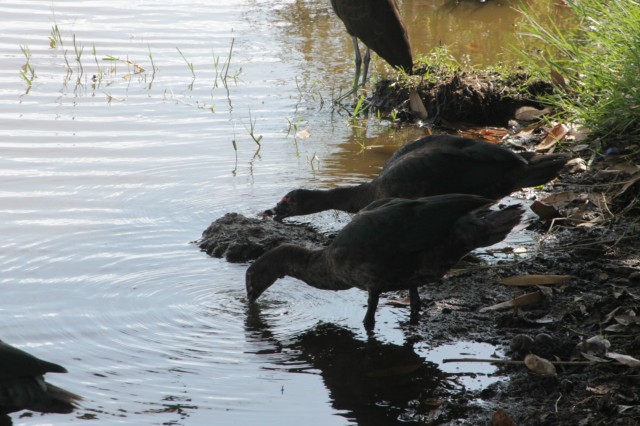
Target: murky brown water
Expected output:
[105,183]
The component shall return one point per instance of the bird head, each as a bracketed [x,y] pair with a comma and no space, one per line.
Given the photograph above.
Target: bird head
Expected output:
[260,276]
[295,203]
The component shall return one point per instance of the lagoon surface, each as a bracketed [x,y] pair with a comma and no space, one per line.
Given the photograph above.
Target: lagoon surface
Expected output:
[132,128]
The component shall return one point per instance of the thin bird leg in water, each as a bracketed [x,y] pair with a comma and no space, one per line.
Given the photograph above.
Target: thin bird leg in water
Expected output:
[414,299]
[372,305]
[367,59]
[358,63]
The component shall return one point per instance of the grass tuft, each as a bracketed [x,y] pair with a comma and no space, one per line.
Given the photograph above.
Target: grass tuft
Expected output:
[595,66]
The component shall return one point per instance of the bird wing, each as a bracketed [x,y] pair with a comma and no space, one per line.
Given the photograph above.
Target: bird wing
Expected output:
[403,226]
[377,24]
[431,166]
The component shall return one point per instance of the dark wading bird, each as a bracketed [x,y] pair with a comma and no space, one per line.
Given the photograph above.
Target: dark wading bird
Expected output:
[378,25]
[428,166]
[22,385]
[392,244]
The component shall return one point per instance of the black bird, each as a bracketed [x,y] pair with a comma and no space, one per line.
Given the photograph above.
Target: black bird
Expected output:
[22,385]
[392,244]
[428,166]
[378,25]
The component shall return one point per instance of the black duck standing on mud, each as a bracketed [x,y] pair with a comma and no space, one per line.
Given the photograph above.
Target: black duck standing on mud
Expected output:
[392,244]
[432,165]
[378,25]
[22,385]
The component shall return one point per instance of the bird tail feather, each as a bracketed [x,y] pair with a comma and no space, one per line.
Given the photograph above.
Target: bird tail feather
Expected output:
[498,223]
[542,168]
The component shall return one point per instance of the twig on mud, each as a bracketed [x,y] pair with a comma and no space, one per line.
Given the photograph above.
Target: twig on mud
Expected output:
[558,400]
[513,362]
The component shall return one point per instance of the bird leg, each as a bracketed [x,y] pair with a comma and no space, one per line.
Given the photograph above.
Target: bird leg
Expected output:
[372,304]
[414,300]
[365,70]
[358,62]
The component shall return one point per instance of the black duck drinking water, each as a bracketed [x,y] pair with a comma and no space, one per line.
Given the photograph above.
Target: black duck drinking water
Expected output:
[433,165]
[393,244]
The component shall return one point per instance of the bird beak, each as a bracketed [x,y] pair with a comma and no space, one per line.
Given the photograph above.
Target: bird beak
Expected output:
[268,213]
[277,216]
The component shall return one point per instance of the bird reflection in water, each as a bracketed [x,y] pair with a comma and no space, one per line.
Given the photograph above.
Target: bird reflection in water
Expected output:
[370,382]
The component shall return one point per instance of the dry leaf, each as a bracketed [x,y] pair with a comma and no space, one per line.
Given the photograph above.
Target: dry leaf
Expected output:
[501,418]
[303,134]
[616,328]
[598,390]
[576,165]
[417,107]
[524,300]
[553,137]
[402,302]
[545,211]
[627,319]
[591,223]
[529,113]
[560,199]
[592,358]
[596,345]
[632,180]
[611,315]
[489,134]
[539,365]
[627,360]
[558,79]
[535,279]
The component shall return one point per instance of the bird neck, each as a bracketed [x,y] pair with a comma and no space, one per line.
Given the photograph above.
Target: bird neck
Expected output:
[348,199]
[301,263]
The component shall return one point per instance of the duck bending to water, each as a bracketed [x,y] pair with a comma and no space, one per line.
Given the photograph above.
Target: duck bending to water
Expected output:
[432,165]
[22,385]
[392,244]
[378,25]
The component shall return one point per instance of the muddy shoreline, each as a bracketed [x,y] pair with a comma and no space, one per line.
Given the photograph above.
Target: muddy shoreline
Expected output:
[588,232]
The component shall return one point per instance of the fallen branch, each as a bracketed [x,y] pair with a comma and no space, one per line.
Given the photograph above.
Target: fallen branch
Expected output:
[513,362]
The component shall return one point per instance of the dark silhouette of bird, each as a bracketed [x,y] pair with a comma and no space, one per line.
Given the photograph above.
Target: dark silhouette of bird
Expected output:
[428,166]
[392,244]
[378,25]
[22,385]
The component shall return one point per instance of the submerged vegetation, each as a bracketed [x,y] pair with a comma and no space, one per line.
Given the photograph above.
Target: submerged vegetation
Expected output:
[103,72]
[595,66]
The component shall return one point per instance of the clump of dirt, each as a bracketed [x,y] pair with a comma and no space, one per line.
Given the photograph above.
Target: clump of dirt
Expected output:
[487,98]
[239,239]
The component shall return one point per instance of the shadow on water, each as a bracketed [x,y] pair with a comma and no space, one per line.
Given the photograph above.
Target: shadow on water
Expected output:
[369,382]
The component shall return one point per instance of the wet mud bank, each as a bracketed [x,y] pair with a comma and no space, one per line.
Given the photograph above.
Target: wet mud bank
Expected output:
[573,300]
[238,238]
[487,99]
